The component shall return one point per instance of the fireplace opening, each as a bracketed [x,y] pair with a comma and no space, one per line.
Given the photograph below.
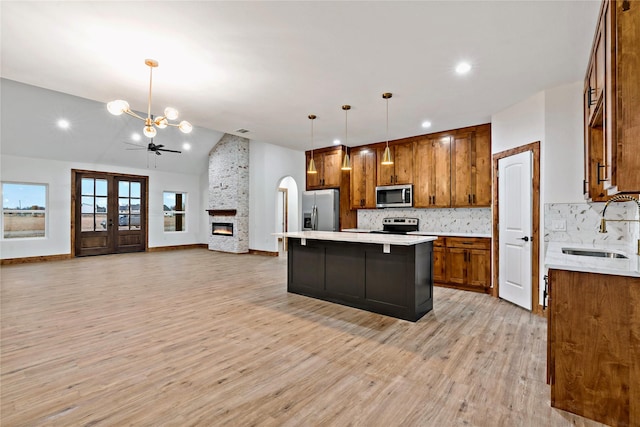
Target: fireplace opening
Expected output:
[222,228]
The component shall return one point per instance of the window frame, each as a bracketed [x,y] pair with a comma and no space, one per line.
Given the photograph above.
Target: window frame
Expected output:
[173,212]
[45,211]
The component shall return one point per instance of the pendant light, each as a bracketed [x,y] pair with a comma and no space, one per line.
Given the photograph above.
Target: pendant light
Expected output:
[386,157]
[346,162]
[312,165]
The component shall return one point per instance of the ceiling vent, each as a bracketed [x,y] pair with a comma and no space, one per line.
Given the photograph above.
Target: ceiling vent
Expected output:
[241,130]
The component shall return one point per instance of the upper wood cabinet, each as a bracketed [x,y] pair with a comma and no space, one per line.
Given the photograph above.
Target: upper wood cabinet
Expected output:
[401,171]
[626,145]
[471,168]
[328,163]
[612,103]
[363,178]
[432,172]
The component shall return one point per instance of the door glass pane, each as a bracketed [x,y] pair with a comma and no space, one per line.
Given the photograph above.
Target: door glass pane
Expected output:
[135,222]
[123,189]
[135,206]
[123,222]
[101,222]
[123,205]
[101,187]
[101,214]
[135,189]
[87,186]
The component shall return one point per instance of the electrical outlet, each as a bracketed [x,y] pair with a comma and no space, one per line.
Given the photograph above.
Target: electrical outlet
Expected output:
[559,225]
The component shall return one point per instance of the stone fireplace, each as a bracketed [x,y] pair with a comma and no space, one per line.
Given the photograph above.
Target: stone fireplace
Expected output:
[229,195]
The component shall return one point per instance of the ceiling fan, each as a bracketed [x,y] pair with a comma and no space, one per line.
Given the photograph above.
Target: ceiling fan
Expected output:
[153,148]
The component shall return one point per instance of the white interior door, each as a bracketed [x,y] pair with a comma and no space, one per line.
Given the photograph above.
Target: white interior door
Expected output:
[515,216]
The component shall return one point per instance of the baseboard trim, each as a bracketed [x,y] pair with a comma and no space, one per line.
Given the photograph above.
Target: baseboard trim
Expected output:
[31,259]
[178,247]
[264,253]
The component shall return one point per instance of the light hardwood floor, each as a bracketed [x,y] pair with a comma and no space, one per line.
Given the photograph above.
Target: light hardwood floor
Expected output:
[196,337]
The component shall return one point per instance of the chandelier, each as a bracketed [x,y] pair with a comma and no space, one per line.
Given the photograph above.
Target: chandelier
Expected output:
[120,106]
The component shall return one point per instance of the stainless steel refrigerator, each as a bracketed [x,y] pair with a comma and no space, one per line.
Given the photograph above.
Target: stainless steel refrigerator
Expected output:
[321,210]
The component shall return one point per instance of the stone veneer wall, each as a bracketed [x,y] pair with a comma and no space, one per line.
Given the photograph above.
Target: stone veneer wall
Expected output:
[452,220]
[229,189]
[582,223]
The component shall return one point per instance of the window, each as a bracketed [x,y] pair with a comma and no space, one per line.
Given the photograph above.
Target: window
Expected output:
[24,208]
[174,211]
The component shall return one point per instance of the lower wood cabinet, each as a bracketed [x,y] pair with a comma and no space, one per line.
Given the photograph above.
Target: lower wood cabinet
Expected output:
[593,361]
[462,263]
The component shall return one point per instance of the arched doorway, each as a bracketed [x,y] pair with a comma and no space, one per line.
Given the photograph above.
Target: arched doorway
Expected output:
[287,209]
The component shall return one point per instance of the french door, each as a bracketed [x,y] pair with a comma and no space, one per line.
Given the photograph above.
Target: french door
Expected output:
[110,213]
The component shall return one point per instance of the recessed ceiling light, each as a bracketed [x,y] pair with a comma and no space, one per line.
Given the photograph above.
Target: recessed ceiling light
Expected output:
[63,124]
[135,136]
[463,68]
[186,146]
[336,142]
[426,124]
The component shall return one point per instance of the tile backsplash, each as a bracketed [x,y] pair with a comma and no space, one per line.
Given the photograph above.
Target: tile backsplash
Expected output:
[451,220]
[582,222]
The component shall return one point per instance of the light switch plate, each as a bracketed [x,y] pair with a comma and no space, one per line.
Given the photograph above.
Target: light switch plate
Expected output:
[559,225]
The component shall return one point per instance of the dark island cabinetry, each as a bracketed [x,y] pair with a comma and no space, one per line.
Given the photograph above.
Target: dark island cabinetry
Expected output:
[361,275]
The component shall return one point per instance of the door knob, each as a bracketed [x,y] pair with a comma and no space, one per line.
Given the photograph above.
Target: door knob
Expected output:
[525,238]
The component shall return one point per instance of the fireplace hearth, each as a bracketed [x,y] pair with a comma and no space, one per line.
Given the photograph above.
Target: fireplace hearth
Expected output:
[222,228]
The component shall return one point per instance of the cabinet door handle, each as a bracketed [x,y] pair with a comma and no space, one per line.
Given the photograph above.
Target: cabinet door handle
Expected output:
[584,186]
[434,200]
[592,92]
[598,172]
[474,199]
[469,198]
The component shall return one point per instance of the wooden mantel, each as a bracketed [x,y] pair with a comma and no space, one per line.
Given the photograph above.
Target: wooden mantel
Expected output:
[222,212]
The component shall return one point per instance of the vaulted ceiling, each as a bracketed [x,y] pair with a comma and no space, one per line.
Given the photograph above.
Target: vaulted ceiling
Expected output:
[264,66]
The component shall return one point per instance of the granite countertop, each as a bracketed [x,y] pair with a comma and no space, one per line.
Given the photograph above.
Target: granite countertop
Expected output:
[342,236]
[424,233]
[554,258]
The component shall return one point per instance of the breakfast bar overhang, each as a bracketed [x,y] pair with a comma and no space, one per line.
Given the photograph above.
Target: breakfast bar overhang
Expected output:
[386,274]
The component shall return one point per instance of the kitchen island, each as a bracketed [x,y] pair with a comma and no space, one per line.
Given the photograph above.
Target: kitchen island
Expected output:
[382,273]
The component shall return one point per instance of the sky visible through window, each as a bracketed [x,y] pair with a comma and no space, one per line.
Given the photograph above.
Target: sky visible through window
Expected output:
[23,196]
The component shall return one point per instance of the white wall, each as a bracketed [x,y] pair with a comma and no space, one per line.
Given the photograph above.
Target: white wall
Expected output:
[57,174]
[553,117]
[268,165]
[564,144]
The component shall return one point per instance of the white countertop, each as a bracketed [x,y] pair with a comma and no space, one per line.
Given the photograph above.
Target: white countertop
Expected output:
[343,236]
[424,233]
[554,258]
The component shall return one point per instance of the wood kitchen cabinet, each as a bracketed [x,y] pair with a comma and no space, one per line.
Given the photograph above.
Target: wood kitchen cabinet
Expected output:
[463,263]
[612,103]
[593,363]
[328,164]
[439,260]
[401,171]
[432,173]
[471,168]
[363,178]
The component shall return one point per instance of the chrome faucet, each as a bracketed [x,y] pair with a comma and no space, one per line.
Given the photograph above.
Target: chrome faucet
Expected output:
[619,197]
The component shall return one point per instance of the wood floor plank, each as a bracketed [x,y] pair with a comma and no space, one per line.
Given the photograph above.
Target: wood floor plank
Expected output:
[202,338]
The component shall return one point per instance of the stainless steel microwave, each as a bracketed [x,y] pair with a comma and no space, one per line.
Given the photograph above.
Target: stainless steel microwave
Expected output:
[394,196]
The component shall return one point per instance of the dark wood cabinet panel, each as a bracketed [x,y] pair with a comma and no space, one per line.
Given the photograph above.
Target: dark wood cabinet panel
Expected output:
[463,263]
[363,178]
[401,171]
[594,336]
[432,173]
[328,164]
[612,104]
[471,169]
[360,275]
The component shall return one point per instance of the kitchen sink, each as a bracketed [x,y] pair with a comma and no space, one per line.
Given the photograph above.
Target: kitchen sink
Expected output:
[592,252]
